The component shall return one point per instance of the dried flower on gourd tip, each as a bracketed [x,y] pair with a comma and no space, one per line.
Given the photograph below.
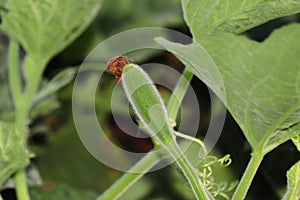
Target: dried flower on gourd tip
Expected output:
[115,66]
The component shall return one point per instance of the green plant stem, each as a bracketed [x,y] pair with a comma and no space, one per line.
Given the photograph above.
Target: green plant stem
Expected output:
[149,160]
[173,107]
[22,103]
[178,94]
[33,79]
[128,179]
[21,185]
[14,72]
[20,120]
[15,85]
[23,106]
[189,172]
[244,184]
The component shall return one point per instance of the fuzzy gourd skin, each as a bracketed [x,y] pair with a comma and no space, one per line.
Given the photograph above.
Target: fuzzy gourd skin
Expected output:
[147,103]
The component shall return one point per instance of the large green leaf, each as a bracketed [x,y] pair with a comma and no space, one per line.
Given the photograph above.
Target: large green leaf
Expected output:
[206,17]
[13,153]
[262,81]
[44,27]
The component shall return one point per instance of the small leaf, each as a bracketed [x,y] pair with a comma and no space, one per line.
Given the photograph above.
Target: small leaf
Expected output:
[45,106]
[13,153]
[45,100]
[45,27]
[55,84]
[293,176]
[207,17]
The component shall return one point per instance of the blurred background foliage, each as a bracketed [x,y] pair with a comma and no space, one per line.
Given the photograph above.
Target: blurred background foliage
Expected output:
[68,170]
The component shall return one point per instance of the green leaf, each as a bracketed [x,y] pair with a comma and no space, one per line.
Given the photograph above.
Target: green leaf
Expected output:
[45,27]
[206,17]
[45,106]
[198,60]
[284,135]
[262,81]
[13,153]
[55,84]
[293,176]
[45,100]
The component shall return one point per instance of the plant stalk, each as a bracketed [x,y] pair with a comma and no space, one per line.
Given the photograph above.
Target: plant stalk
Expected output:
[20,120]
[178,94]
[14,72]
[21,185]
[22,103]
[128,179]
[189,172]
[244,184]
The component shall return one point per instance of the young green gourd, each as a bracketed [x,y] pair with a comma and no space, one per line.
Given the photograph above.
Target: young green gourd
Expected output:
[151,111]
